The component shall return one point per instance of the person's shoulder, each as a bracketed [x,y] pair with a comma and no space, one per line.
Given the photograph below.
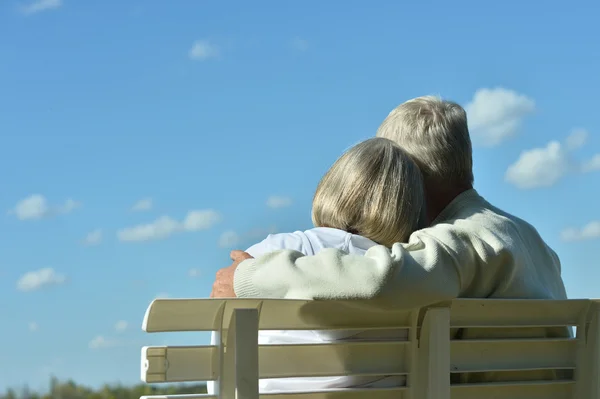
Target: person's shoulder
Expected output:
[295,241]
[479,220]
[325,237]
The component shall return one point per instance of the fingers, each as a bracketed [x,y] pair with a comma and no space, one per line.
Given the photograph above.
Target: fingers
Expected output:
[238,256]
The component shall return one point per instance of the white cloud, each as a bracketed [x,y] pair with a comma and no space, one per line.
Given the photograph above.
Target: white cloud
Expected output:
[203,50]
[200,220]
[229,239]
[194,273]
[41,5]
[32,207]
[162,295]
[69,206]
[275,201]
[100,342]
[166,226]
[161,228]
[121,326]
[36,207]
[545,166]
[592,164]
[300,44]
[496,114]
[35,280]
[539,167]
[145,204]
[94,237]
[576,139]
[33,326]
[587,232]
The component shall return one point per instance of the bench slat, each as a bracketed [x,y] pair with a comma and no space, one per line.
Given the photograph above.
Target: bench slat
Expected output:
[200,363]
[353,393]
[505,313]
[526,390]
[512,354]
[169,315]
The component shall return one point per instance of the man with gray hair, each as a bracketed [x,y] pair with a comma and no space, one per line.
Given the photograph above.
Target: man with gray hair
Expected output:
[471,249]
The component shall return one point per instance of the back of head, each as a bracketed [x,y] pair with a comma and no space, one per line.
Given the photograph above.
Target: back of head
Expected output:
[435,133]
[374,189]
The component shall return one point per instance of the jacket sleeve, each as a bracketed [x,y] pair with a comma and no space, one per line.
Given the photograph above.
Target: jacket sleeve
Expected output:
[424,271]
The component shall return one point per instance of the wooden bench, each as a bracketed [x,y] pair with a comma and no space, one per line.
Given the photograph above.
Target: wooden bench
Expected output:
[429,357]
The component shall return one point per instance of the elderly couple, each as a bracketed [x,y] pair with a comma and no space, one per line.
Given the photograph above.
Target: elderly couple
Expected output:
[409,189]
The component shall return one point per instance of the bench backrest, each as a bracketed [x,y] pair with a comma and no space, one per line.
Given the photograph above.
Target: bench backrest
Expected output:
[507,340]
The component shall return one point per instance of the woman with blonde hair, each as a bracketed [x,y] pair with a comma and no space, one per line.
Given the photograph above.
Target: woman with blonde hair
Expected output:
[373,194]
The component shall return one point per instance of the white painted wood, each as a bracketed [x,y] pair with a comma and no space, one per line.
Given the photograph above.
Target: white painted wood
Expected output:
[588,375]
[200,363]
[505,313]
[243,339]
[505,336]
[164,315]
[513,354]
[433,377]
[388,393]
[517,390]
[592,363]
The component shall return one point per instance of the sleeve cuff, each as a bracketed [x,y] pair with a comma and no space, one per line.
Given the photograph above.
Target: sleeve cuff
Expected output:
[242,280]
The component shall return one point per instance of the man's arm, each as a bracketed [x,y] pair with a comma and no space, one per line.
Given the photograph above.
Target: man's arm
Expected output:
[422,272]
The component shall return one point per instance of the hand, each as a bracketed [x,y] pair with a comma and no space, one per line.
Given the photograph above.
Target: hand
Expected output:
[223,285]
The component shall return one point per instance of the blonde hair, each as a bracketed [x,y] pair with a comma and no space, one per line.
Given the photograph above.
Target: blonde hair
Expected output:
[435,133]
[375,190]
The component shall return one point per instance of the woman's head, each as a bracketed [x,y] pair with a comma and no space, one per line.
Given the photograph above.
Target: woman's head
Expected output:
[374,189]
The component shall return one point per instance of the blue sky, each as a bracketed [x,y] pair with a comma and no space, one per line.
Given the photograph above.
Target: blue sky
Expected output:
[217,119]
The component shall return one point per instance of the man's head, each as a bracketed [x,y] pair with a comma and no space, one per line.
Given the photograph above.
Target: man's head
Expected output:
[434,133]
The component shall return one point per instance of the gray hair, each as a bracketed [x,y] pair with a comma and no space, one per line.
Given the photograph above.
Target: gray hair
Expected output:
[435,133]
[375,190]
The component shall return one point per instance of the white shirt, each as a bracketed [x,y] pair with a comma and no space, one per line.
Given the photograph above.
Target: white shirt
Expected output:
[310,242]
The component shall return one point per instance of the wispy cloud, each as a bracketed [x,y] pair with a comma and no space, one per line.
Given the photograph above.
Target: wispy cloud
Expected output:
[539,167]
[496,114]
[202,50]
[546,166]
[121,326]
[40,6]
[94,237]
[587,232]
[145,204]
[592,164]
[36,207]
[193,273]
[100,342]
[33,326]
[276,201]
[35,280]
[229,239]
[576,139]
[166,226]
